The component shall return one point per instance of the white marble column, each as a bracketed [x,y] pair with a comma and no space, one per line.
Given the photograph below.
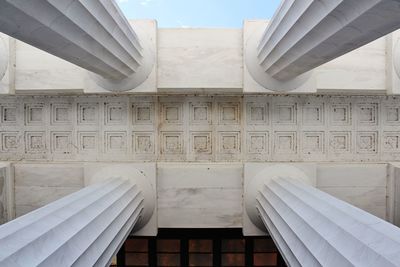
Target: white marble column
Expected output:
[93,34]
[312,228]
[305,34]
[86,228]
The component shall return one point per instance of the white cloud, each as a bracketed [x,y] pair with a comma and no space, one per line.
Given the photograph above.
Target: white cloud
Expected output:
[182,25]
[145,2]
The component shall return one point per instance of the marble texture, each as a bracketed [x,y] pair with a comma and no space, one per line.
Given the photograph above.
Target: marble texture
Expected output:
[206,60]
[39,72]
[199,195]
[108,46]
[393,62]
[7,61]
[3,57]
[6,192]
[393,200]
[367,189]
[144,175]
[312,228]
[305,34]
[37,185]
[189,128]
[361,71]
[86,228]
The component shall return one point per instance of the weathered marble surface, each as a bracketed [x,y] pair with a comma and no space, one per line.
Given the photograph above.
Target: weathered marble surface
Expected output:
[205,60]
[393,200]
[214,190]
[364,186]
[6,193]
[39,184]
[201,128]
[201,58]
[199,195]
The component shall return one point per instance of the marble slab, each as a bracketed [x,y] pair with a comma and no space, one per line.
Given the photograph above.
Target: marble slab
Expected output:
[200,59]
[6,192]
[364,186]
[199,195]
[39,184]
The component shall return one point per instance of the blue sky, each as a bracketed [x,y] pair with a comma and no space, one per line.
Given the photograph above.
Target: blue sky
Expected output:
[199,13]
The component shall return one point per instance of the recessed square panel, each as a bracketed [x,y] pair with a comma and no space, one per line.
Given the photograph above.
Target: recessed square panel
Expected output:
[172,113]
[115,113]
[9,114]
[285,113]
[229,113]
[200,143]
[340,142]
[313,114]
[392,115]
[9,141]
[313,142]
[257,142]
[60,114]
[257,113]
[285,142]
[61,142]
[367,114]
[87,141]
[391,142]
[229,142]
[143,113]
[115,142]
[172,143]
[367,142]
[340,114]
[200,112]
[34,114]
[143,143]
[88,113]
[35,142]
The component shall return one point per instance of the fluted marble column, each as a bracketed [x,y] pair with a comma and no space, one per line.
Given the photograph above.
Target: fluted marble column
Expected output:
[86,228]
[93,34]
[312,228]
[305,34]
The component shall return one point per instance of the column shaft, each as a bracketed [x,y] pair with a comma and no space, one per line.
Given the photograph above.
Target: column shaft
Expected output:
[83,229]
[92,34]
[312,228]
[305,34]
